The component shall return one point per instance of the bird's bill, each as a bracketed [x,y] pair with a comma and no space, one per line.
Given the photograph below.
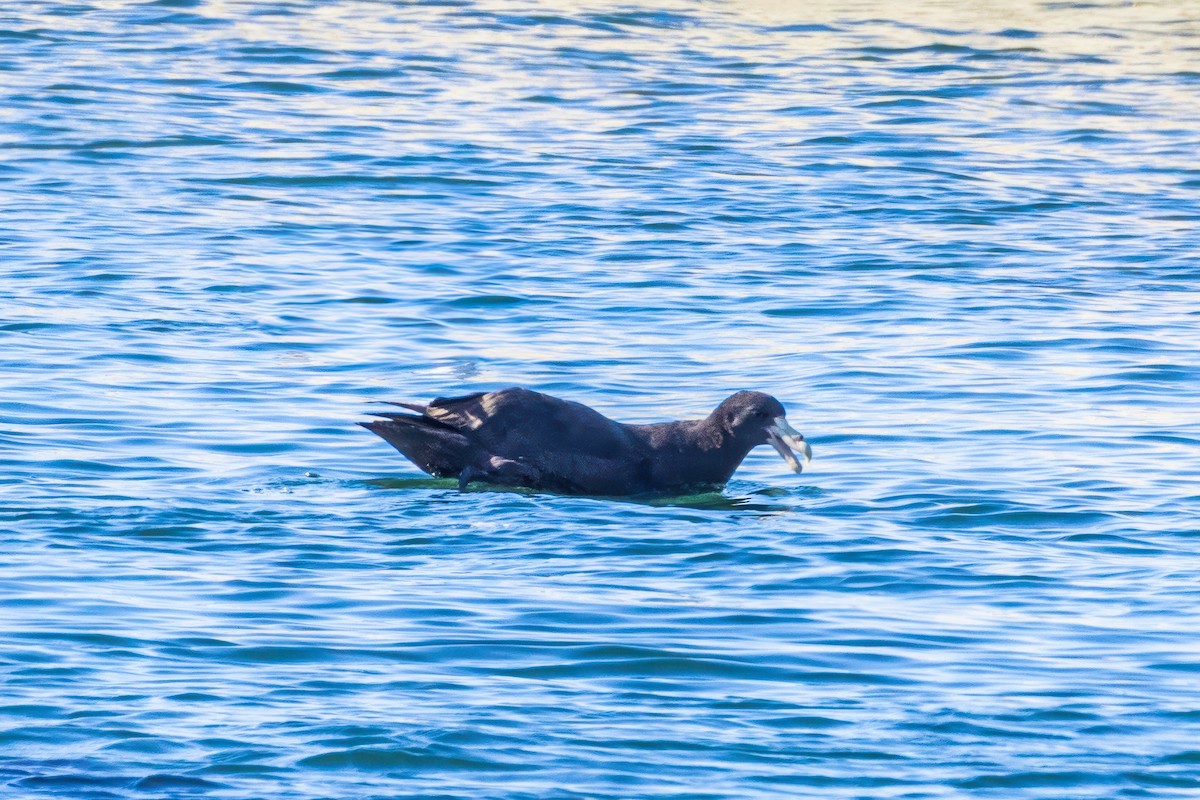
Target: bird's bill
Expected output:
[783,438]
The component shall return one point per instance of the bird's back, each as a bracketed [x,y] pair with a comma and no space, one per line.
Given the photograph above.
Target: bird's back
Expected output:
[574,448]
[520,422]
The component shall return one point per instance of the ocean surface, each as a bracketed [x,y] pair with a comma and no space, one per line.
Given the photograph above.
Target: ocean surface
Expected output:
[961,244]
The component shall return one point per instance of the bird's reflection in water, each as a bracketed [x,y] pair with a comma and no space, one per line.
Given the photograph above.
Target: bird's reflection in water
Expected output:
[755,500]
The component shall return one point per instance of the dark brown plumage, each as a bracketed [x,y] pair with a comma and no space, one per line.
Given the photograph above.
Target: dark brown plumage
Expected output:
[519,437]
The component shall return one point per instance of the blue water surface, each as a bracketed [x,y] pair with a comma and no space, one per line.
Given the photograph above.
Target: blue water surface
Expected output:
[961,244]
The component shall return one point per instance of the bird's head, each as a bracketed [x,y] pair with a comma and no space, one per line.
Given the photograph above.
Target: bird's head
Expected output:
[755,418]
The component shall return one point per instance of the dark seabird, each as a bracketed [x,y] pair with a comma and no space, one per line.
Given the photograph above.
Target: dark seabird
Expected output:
[518,437]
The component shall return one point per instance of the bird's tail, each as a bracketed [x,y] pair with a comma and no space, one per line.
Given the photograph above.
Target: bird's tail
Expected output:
[436,448]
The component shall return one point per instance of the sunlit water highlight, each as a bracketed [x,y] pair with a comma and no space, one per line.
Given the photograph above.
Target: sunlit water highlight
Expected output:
[960,245]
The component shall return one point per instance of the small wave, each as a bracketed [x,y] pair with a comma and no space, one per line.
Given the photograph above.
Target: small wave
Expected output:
[371,759]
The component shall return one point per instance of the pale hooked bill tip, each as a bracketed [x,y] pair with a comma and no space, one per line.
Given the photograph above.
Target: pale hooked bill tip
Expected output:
[783,437]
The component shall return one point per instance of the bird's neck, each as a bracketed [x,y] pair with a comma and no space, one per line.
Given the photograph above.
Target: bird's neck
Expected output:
[693,453]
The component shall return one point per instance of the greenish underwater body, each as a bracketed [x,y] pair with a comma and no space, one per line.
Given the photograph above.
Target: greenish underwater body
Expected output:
[961,245]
